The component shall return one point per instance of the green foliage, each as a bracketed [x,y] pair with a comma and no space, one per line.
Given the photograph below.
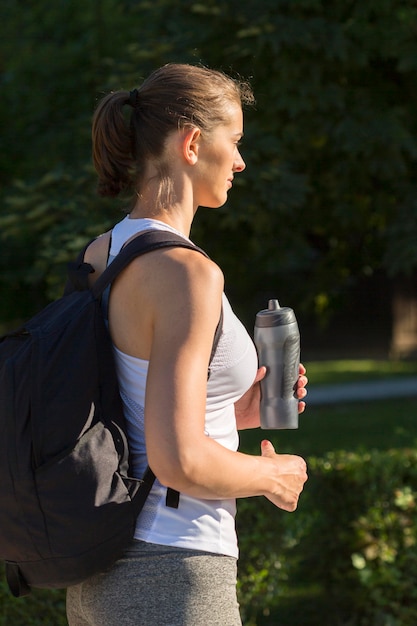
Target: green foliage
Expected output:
[40,608]
[266,542]
[348,556]
[328,196]
[47,224]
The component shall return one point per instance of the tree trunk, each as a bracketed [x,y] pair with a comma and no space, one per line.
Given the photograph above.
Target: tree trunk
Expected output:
[404,331]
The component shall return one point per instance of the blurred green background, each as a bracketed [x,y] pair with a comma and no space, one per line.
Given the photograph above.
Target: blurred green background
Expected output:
[324,218]
[325,215]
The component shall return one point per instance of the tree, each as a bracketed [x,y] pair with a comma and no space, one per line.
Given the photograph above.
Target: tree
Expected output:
[328,198]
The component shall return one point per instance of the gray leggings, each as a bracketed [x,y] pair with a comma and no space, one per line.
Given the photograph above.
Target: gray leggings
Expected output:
[155,585]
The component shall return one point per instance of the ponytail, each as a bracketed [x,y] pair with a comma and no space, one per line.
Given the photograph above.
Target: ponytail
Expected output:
[112,145]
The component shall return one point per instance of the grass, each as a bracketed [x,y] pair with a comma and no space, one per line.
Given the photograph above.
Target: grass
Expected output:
[351,426]
[334,372]
[373,425]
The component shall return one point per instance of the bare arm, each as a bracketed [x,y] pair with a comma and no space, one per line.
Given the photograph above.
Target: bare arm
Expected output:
[184,300]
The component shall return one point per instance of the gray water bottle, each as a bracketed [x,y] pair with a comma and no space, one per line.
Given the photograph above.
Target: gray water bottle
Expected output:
[277,341]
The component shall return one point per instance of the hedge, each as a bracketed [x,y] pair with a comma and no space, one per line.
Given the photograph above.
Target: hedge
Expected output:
[346,557]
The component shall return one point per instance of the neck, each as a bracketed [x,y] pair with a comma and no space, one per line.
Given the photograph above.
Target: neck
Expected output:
[171,201]
[177,212]
[171,216]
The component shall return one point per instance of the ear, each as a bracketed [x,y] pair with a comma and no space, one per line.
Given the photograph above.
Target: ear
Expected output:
[190,145]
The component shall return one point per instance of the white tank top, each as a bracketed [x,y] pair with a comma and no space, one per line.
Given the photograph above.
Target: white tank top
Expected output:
[197,524]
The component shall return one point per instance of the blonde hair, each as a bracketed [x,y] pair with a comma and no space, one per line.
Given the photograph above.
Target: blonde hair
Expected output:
[174,96]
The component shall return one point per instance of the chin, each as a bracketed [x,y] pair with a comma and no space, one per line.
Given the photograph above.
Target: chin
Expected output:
[221,202]
[214,205]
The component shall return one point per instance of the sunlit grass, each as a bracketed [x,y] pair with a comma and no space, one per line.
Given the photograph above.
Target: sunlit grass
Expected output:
[382,424]
[327,372]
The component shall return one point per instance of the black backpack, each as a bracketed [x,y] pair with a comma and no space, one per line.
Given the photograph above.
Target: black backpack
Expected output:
[68,506]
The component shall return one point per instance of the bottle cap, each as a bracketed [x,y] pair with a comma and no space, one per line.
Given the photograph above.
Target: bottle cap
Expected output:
[274,315]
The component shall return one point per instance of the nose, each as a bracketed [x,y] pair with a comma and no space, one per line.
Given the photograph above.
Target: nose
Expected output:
[239,164]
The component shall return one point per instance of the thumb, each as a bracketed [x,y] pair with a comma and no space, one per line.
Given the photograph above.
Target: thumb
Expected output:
[267,449]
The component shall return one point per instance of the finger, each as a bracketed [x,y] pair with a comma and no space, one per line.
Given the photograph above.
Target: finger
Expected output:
[302,381]
[260,374]
[301,393]
[302,370]
[301,407]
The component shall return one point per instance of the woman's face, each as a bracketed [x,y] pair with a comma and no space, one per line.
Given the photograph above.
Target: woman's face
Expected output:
[219,160]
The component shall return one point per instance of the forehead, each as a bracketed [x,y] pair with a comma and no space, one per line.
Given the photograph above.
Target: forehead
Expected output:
[230,126]
[234,117]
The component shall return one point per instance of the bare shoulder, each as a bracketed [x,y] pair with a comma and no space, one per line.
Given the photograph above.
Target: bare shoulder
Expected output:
[176,282]
[162,298]
[192,261]
[183,267]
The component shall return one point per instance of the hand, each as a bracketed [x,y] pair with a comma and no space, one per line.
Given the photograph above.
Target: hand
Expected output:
[301,391]
[247,407]
[289,477]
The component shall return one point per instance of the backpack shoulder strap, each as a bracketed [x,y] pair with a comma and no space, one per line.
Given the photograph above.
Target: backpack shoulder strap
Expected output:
[146,242]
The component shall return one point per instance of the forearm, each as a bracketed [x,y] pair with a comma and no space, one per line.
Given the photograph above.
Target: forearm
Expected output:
[210,471]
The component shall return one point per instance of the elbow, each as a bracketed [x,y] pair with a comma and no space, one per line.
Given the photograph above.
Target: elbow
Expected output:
[179,474]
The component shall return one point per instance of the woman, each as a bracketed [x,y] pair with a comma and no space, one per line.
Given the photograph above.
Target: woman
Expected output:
[179,151]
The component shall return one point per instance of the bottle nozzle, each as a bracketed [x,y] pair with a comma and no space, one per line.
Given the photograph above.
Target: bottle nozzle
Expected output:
[273,305]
